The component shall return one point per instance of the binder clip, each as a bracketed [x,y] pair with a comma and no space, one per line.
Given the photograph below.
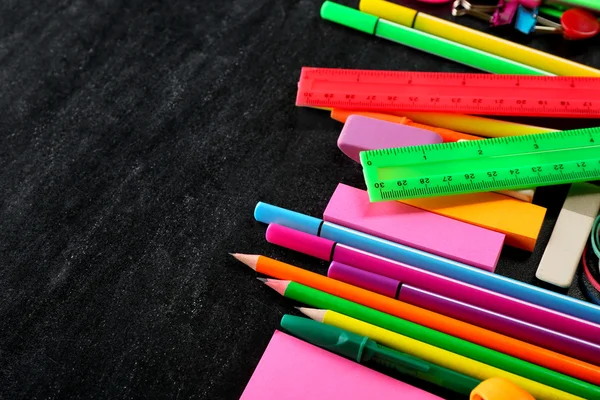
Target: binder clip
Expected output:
[501,14]
[575,23]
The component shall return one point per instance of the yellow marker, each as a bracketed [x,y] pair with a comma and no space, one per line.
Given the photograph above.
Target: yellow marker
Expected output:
[485,127]
[476,39]
[441,357]
[479,126]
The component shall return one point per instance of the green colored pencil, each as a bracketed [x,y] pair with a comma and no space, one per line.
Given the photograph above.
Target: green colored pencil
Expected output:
[319,299]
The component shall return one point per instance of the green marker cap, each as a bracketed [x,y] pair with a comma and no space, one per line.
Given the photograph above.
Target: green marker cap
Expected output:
[329,337]
[349,17]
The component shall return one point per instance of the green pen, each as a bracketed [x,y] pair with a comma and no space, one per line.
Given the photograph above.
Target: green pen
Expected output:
[408,36]
[364,350]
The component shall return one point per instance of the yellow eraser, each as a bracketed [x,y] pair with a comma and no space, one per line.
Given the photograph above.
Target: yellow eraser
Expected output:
[520,221]
[499,389]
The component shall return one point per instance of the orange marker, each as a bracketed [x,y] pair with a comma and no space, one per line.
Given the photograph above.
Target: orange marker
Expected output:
[446,134]
[504,344]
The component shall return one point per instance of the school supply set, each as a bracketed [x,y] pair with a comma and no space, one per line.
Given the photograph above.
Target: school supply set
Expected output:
[411,288]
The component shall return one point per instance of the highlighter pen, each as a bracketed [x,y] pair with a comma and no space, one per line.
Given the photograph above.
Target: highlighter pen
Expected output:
[267,213]
[407,36]
[391,272]
[463,311]
[366,351]
[475,39]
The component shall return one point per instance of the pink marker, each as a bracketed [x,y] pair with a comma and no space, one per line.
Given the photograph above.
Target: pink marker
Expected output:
[416,228]
[478,316]
[328,250]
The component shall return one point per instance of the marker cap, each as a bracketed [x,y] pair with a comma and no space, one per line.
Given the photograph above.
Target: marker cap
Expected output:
[299,241]
[364,279]
[348,17]
[330,337]
[270,214]
[389,11]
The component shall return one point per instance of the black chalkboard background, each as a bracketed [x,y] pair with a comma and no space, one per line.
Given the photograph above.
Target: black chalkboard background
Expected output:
[136,137]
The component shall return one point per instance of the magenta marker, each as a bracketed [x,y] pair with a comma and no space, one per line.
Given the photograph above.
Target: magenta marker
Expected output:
[328,250]
[481,317]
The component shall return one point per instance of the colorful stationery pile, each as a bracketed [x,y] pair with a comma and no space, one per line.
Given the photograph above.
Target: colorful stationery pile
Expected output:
[411,289]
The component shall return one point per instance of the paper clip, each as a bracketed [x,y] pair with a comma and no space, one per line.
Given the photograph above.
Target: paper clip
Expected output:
[575,23]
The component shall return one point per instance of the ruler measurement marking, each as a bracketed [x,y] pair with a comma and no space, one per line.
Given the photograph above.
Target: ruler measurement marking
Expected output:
[568,156]
[534,95]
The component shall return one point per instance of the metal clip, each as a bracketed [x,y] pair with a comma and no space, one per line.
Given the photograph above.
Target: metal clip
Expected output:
[463,7]
[505,12]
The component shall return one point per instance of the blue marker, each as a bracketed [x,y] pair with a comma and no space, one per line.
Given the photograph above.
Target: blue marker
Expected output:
[268,214]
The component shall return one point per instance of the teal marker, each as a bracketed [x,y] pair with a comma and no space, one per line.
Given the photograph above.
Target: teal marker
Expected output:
[364,350]
[407,36]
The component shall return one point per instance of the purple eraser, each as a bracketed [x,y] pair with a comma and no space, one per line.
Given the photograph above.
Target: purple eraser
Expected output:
[364,133]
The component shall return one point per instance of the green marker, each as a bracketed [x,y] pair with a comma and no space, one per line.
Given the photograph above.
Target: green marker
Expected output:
[407,36]
[364,350]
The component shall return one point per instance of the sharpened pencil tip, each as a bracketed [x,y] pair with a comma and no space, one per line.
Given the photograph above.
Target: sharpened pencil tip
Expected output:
[263,280]
[313,313]
[277,285]
[249,259]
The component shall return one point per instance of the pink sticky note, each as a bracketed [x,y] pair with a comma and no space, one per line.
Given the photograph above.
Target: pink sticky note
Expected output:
[291,369]
[414,227]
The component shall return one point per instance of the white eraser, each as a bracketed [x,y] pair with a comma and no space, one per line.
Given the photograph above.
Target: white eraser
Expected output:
[569,236]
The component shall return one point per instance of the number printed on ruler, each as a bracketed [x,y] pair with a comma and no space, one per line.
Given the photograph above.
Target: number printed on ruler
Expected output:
[551,96]
[515,162]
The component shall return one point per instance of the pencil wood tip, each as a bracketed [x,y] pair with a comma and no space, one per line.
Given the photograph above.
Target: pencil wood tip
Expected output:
[277,285]
[249,259]
[313,313]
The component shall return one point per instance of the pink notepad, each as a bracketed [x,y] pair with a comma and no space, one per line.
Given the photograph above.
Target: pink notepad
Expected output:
[416,228]
[291,369]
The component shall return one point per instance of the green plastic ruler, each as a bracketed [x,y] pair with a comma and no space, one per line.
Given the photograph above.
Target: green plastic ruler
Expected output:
[514,162]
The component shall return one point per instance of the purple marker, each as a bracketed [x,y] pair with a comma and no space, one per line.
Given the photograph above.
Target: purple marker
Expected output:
[478,316]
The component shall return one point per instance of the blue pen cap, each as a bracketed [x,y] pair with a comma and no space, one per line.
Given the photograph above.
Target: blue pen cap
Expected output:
[270,214]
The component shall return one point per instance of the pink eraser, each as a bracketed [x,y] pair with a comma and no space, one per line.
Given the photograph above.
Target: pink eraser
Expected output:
[416,228]
[364,133]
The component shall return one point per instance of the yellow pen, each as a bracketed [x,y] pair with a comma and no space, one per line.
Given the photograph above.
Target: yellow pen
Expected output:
[475,39]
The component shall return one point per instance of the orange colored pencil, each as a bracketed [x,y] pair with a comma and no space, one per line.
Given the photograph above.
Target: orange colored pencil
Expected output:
[507,345]
[446,134]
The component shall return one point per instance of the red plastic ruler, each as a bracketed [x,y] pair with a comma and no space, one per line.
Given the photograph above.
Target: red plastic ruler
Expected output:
[482,94]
